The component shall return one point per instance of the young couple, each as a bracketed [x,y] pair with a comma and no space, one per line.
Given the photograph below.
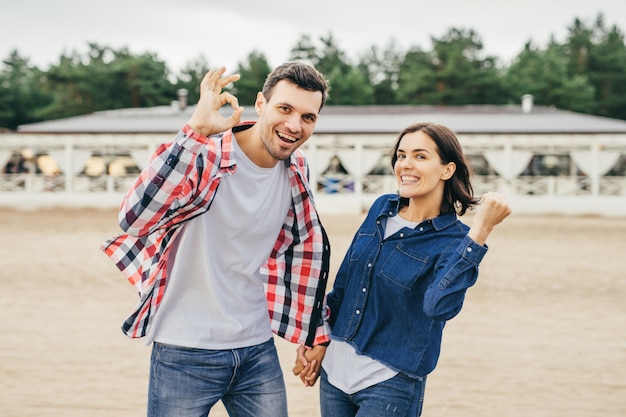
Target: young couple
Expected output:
[224,245]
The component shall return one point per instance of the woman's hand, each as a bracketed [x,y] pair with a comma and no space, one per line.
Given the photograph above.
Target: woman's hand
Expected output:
[492,210]
[309,363]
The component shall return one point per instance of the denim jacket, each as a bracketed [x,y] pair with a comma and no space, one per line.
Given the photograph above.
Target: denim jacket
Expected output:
[392,297]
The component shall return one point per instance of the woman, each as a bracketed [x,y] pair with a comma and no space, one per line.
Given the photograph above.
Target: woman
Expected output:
[404,275]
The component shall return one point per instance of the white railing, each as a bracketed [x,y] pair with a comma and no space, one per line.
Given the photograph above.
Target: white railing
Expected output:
[522,186]
[329,184]
[80,184]
[33,183]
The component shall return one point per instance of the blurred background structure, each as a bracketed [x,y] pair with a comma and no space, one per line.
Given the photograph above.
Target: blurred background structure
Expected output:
[545,160]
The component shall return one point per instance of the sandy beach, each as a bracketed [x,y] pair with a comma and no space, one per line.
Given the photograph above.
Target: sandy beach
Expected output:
[542,333]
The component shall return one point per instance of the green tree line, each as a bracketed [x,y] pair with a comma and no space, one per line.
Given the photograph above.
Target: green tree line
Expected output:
[584,73]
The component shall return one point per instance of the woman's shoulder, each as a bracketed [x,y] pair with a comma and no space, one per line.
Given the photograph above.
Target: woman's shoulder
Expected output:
[460,226]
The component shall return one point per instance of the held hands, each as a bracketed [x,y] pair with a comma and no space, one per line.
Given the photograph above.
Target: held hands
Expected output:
[492,210]
[207,119]
[309,363]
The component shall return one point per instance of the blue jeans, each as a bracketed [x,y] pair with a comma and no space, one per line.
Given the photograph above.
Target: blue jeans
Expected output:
[399,396]
[187,382]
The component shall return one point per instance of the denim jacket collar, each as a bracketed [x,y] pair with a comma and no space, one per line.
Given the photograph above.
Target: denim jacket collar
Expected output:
[393,207]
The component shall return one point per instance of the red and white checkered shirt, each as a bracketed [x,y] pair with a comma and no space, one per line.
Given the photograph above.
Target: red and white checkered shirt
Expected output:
[179,184]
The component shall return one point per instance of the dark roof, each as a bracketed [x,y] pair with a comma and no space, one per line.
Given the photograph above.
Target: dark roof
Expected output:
[483,119]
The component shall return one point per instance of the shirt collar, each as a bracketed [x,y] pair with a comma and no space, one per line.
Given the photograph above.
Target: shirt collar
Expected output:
[440,222]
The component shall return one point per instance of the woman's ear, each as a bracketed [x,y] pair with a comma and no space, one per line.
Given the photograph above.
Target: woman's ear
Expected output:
[448,171]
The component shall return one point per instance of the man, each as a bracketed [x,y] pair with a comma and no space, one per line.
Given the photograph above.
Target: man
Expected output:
[219,229]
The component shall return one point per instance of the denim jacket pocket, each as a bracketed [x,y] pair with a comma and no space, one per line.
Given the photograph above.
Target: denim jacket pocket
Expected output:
[361,242]
[404,266]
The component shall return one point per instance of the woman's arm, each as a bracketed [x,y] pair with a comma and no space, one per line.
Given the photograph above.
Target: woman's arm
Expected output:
[458,268]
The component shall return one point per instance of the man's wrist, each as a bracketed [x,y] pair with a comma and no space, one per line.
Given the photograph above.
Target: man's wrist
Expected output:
[199,130]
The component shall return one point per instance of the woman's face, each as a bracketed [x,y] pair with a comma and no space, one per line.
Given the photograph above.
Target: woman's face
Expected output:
[419,171]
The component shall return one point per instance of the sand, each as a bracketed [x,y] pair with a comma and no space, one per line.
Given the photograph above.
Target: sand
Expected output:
[542,334]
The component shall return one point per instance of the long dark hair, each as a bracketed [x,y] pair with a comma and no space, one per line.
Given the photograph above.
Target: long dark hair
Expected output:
[458,194]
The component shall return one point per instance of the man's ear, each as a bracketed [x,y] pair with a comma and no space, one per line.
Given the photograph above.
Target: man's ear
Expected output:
[259,103]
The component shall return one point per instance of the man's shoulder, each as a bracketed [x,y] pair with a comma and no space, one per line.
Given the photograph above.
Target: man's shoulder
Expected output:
[299,160]
[299,156]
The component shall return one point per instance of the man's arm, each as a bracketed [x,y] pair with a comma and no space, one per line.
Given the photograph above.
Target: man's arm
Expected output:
[164,184]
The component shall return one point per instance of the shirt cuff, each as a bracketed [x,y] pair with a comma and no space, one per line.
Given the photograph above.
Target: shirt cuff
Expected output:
[190,133]
[472,251]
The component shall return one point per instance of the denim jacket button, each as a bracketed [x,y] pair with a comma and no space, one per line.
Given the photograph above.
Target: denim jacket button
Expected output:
[358,312]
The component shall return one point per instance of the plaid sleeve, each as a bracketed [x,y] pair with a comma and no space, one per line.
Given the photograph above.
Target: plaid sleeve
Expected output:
[163,190]
[297,272]
[178,183]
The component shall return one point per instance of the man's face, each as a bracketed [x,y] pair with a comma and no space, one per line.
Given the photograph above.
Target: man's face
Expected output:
[287,119]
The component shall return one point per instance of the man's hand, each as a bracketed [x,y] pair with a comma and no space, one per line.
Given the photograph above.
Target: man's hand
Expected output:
[309,363]
[206,118]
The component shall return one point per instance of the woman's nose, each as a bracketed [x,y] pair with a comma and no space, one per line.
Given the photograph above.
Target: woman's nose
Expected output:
[404,163]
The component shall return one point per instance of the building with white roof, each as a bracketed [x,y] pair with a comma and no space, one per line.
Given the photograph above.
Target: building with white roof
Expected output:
[544,160]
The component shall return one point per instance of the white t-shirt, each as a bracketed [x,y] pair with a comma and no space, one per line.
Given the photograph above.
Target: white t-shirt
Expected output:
[346,369]
[215,296]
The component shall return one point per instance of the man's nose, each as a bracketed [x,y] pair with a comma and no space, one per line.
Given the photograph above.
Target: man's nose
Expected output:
[293,123]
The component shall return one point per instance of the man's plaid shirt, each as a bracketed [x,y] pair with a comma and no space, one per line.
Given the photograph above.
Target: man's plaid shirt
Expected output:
[179,184]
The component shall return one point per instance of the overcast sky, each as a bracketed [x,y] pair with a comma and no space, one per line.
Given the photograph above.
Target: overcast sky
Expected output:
[226,31]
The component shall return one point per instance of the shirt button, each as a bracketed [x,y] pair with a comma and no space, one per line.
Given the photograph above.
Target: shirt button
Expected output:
[390,213]
[364,290]
[369,265]
[469,249]
[401,234]
[421,228]
[358,312]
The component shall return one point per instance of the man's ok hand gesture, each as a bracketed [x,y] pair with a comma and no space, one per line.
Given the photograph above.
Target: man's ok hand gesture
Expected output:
[206,118]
